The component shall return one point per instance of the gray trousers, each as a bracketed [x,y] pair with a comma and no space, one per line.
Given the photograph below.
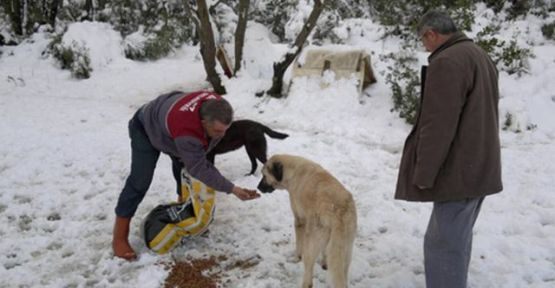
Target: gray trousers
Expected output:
[448,242]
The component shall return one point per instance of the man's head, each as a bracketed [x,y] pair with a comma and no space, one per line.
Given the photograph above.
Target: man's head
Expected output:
[216,116]
[435,28]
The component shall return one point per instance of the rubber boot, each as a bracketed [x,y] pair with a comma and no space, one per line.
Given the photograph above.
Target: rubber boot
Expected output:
[120,242]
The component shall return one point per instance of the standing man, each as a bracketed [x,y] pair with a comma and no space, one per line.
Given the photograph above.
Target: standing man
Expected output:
[184,126]
[452,155]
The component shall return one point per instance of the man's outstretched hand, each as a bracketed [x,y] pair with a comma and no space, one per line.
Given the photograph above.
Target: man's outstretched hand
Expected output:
[244,194]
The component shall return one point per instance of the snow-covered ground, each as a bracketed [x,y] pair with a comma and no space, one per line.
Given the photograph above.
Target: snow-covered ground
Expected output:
[64,156]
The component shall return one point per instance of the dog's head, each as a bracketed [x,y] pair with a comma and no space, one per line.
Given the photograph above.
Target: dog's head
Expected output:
[272,176]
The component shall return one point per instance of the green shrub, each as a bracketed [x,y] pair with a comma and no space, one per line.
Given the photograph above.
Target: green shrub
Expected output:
[402,16]
[404,82]
[81,68]
[152,47]
[73,57]
[508,56]
[508,121]
[548,31]
[275,15]
[514,59]
[512,124]
[487,40]
[151,30]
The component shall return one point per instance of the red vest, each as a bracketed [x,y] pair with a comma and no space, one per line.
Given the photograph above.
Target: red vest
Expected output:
[184,116]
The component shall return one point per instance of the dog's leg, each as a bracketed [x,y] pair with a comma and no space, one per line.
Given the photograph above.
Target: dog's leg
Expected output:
[256,149]
[315,241]
[299,237]
[339,251]
[252,157]
[324,261]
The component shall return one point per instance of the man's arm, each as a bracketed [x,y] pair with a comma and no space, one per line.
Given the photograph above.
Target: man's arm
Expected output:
[193,157]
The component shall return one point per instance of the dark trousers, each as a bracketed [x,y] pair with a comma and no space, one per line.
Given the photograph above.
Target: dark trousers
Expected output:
[143,162]
[448,242]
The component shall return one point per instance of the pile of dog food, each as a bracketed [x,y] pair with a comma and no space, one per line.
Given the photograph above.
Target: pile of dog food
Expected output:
[205,272]
[195,273]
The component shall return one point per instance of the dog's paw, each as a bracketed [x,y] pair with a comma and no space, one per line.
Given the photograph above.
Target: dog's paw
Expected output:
[323,264]
[294,258]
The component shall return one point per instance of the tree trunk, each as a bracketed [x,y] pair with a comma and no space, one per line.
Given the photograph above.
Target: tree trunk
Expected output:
[53,13]
[243,11]
[14,9]
[89,10]
[207,46]
[281,67]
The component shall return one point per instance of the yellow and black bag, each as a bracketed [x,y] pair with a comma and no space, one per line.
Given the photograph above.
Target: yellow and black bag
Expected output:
[167,224]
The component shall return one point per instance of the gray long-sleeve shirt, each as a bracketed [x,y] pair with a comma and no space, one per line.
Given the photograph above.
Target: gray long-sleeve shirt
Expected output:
[188,147]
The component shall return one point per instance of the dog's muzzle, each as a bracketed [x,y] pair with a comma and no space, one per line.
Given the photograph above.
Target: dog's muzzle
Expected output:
[265,187]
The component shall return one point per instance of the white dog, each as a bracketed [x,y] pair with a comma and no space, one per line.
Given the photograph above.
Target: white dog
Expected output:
[324,211]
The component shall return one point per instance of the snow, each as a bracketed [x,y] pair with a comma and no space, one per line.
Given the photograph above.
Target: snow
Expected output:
[64,157]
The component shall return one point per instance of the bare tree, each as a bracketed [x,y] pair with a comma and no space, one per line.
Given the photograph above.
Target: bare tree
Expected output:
[243,11]
[281,67]
[201,18]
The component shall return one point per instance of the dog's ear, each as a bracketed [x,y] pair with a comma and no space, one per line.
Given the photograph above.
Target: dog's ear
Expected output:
[277,171]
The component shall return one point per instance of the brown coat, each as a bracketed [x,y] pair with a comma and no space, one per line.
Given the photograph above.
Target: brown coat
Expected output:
[453,149]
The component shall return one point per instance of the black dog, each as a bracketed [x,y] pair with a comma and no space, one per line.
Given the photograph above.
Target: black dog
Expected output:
[250,134]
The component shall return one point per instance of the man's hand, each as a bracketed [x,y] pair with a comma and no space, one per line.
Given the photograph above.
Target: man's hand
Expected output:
[244,194]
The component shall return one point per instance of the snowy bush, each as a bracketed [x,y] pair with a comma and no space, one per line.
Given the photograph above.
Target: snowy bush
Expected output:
[336,11]
[6,33]
[324,29]
[275,14]
[162,25]
[72,11]
[507,55]
[152,46]
[512,124]
[403,79]
[225,19]
[548,31]
[26,16]
[86,46]
[155,28]
[402,16]
[74,57]
[514,59]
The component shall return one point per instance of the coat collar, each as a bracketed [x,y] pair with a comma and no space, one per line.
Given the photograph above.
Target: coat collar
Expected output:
[454,39]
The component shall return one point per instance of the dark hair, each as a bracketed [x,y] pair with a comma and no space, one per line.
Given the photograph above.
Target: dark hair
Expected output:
[438,21]
[216,109]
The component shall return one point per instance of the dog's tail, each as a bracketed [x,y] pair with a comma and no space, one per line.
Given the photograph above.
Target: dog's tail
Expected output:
[339,252]
[274,134]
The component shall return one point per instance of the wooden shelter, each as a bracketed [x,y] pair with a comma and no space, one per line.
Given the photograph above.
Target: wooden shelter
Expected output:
[345,64]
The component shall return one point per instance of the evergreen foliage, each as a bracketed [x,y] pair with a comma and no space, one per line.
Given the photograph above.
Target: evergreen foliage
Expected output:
[225,20]
[507,55]
[548,31]
[402,16]
[162,26]
[73,57]
[403,79]
[335,12]
[275,15]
